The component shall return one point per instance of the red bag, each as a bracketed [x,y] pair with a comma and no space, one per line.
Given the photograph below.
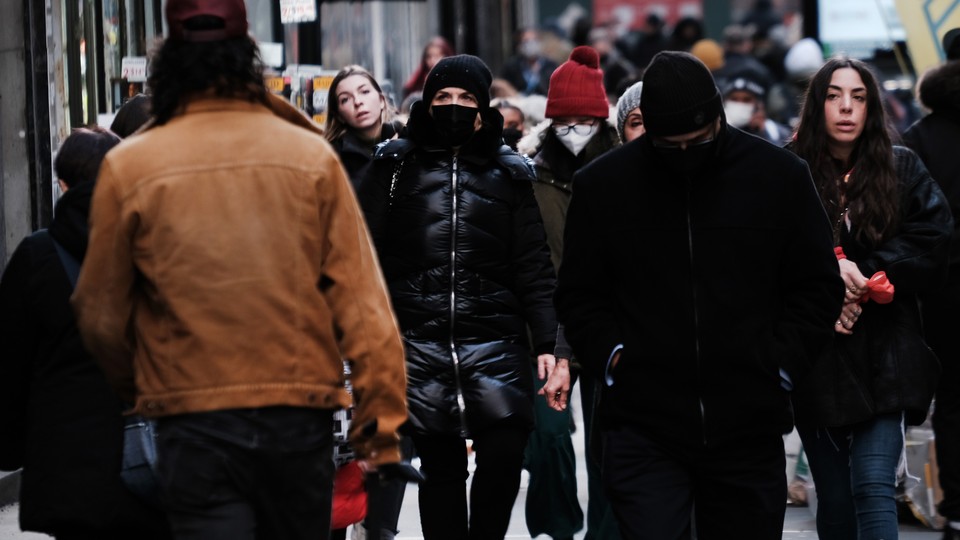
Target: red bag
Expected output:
[349,497]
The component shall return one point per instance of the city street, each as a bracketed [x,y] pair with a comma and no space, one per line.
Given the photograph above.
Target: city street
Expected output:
[798,524]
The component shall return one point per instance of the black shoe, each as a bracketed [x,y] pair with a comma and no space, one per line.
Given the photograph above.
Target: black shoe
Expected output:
[950,533]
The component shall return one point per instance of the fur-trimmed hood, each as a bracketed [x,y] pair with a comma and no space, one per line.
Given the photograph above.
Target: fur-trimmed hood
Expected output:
[940,88]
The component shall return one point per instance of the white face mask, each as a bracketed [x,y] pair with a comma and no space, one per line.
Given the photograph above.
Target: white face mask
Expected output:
[738,113]
[530,48]
[575,142]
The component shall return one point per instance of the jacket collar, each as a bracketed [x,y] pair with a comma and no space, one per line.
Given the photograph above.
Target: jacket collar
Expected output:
[481,148]
[275,104]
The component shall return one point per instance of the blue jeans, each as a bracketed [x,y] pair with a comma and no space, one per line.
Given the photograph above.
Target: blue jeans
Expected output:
[855,471]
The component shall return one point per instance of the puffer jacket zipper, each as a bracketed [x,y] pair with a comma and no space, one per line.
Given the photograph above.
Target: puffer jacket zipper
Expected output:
[696,314]
[454,355]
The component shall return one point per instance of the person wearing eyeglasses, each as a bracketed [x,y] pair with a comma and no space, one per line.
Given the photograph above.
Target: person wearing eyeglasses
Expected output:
[575,133]
[698,282]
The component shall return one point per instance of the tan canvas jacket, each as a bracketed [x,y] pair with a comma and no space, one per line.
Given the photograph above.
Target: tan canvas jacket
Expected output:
[229,266]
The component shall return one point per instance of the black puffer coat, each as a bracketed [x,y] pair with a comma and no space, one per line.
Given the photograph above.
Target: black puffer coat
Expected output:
[463,250]
[356,154]
[885,366]
[55,405]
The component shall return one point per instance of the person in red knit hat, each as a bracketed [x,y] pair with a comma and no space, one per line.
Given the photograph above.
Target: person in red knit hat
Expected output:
[575,132]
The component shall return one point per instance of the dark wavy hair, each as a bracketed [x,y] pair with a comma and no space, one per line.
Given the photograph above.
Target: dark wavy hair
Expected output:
[79,157]
[872,191]
[228,68]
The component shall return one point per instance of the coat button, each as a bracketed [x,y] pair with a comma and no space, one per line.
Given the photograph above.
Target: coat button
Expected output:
[311,398]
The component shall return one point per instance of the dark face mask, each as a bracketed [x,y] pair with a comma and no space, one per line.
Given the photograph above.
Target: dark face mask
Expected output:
[689,161]
[455,123]
[511,136]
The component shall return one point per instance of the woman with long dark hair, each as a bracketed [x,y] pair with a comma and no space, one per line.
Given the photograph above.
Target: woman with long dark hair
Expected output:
[891,226]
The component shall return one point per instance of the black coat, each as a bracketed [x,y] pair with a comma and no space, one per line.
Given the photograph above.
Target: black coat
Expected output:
[885,366]
[55,404]
[356,154]
[935,138]
[464,253]
[712,283]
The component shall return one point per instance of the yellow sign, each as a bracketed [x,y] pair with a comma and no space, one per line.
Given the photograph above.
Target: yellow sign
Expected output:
[274,84]
[926,22]
[321,86]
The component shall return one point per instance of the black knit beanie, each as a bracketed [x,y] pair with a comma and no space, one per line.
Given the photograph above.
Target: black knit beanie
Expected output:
[461,71]
[679,95]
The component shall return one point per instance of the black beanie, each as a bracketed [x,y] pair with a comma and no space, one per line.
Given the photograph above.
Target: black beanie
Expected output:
[461,71]
[679,95]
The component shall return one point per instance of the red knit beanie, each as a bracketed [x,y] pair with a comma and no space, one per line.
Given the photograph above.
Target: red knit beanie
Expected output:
[576,87]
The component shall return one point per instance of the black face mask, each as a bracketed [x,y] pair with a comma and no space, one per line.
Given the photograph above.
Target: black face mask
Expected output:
[511,136]
[455,123]
[689,161]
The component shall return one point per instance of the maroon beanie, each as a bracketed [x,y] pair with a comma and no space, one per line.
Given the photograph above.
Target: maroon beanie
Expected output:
[232,12]
[576,87]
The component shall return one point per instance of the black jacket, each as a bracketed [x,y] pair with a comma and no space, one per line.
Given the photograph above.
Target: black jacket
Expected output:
[464,253]
[885,366]
[356,154]
[55,405]
[712,283]
[935,138]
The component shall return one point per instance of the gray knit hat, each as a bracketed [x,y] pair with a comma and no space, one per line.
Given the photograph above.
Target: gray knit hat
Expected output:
[629,101]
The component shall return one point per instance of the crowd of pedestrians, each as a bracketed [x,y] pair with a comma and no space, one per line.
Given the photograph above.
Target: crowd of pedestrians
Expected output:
[716,240]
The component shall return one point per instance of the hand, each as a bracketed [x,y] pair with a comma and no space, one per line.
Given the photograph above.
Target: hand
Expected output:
[557,388]
[614,361]
[545,364]
[853,280]
[849,315]
[856,287]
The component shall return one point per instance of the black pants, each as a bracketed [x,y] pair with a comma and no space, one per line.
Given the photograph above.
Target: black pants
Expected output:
[941,320]
[738,491]
[247,474]
[496,481]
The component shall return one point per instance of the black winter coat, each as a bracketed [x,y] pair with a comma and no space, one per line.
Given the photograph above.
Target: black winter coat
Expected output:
[356,154]
[59,419]
[711,282]
[885,366]
[463,251]
[935,139]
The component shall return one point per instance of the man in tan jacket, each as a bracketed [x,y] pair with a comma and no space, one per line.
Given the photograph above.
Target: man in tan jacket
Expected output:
[229,271]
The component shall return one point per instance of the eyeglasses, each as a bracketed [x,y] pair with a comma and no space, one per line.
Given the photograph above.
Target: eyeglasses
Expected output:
[579,129]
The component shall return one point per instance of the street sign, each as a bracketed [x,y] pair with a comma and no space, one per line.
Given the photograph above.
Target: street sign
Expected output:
[926,22]
[297,11]
[133,68]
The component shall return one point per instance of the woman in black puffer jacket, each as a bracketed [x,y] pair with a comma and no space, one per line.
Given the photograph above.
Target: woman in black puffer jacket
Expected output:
[464,252]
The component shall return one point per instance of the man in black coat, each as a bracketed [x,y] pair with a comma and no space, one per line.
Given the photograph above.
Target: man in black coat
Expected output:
[935,139]
[699,279]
